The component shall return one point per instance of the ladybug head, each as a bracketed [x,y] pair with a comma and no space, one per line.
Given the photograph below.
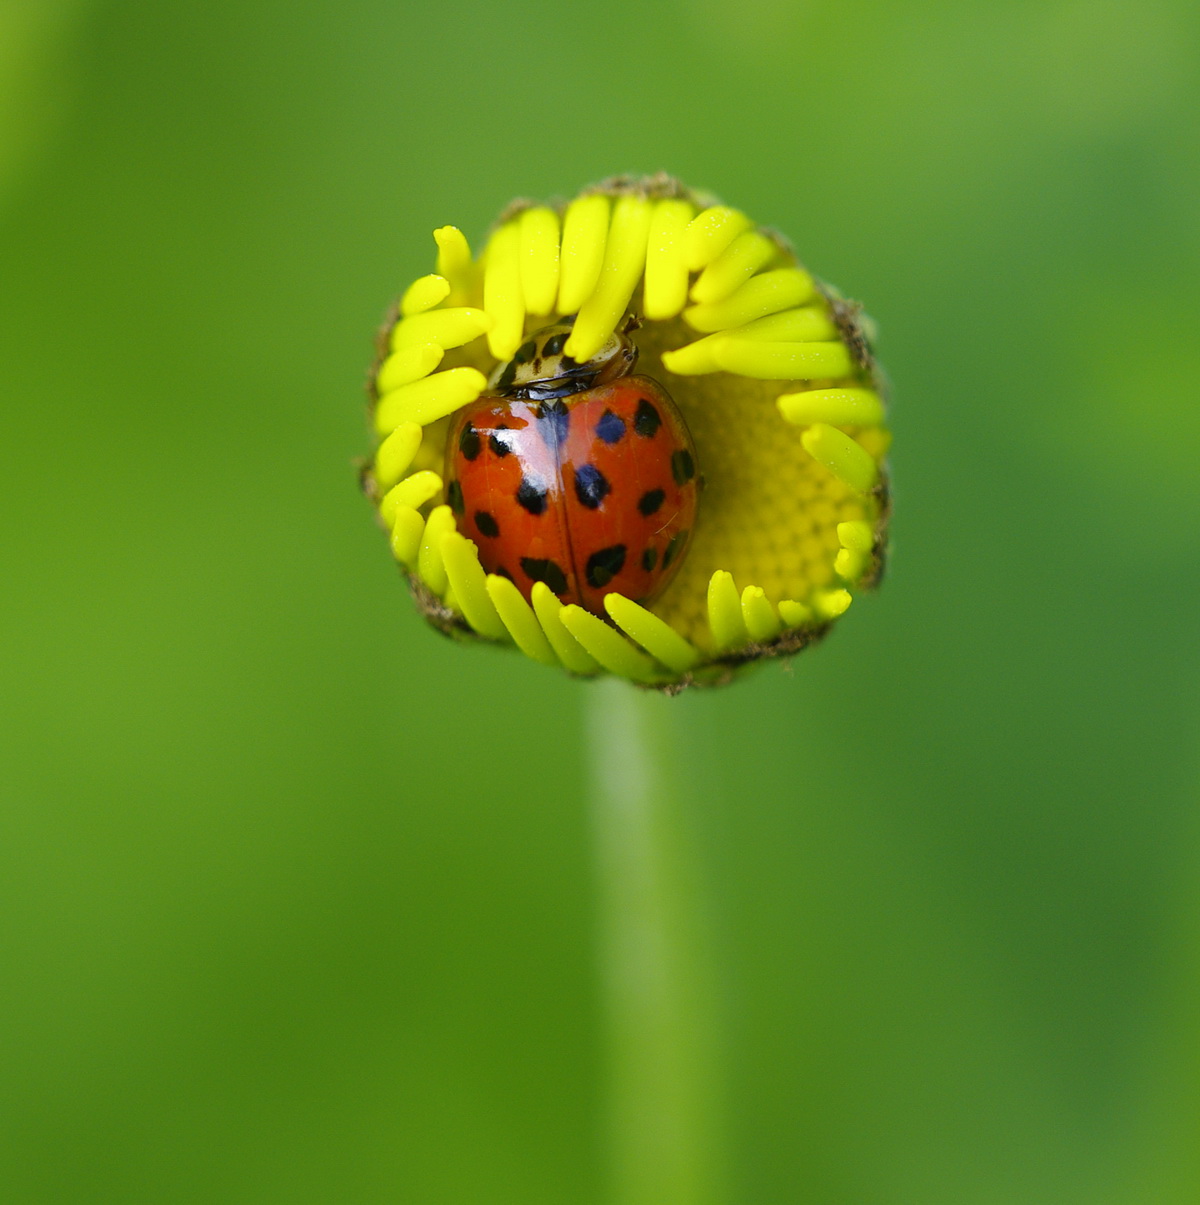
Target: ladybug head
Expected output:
[540,370]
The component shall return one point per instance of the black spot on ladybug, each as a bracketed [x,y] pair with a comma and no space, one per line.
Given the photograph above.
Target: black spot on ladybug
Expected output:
[454,497]
[604,565]
[505,382]
[487,524]
[554,345]
[649,559]
[683,468]
[650,501]
[502,572]
[532,496]
[498,443]
[646,421]
[556,421]
[468,442]
[611,427]
[591,486]
[545,571]
[674,547]
[525,352]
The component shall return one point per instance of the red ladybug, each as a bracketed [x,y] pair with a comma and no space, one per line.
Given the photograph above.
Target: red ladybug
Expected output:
[579,475]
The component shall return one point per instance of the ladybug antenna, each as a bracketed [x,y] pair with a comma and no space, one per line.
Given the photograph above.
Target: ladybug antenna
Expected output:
[632,323]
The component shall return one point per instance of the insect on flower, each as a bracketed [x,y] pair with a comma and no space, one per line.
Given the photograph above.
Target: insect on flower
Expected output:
[578,475]
[652,447]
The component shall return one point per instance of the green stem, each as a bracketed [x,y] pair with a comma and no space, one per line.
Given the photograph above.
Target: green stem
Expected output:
[665,1130]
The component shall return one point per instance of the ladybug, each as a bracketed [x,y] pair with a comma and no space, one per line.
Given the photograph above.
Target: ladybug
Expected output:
[577,474]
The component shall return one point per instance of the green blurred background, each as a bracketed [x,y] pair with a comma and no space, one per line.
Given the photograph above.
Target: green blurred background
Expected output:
[296,897]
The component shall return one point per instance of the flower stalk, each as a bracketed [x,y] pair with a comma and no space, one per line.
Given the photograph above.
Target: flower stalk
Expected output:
[665,1131]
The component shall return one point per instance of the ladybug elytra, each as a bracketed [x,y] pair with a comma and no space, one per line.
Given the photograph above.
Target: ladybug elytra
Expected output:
[577,474]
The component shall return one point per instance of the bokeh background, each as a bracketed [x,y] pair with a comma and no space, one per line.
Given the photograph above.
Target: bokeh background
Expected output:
[297,898]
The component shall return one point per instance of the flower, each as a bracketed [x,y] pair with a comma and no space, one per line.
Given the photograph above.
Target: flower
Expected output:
[771,370]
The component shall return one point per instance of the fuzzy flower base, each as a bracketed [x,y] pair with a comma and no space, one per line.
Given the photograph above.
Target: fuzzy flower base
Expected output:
[770,369]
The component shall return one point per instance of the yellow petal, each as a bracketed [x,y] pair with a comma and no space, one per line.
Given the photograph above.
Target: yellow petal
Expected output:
[423,294]
[841,456]
[585,232]
[466,577]
[538,259]
[767,293]
[413,492]
[503,299]
[659,639]
[664,291]
[570,652]
[428,399]
[725,618]
[624,258]
[609,648]
[518,617]
[838,407]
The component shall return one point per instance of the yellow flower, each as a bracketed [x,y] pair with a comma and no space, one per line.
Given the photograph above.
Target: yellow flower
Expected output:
[771,370]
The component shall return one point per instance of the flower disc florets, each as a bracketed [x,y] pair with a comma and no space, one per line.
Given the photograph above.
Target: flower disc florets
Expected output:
[771,371]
